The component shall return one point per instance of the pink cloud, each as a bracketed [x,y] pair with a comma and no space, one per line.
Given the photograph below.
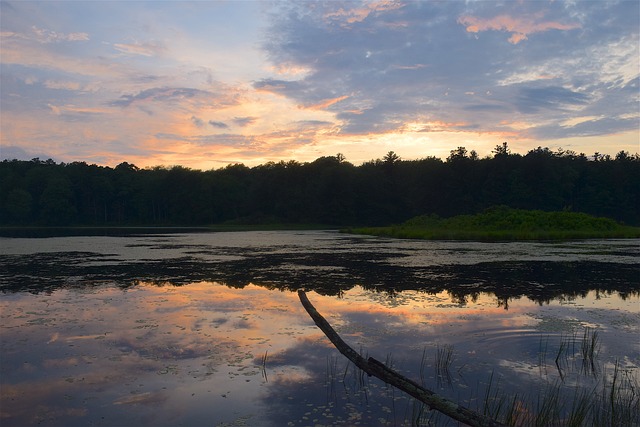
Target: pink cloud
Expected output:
[359,14]
[519,27]
[137,48]
[49,36]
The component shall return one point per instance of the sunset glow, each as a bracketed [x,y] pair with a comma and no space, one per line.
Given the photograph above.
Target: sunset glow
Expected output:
[207,84]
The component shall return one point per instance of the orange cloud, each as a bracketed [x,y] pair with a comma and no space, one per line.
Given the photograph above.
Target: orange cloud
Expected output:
[519,27]
[433,126]
[424,309]
[290,69]
[325,103]
[360,14]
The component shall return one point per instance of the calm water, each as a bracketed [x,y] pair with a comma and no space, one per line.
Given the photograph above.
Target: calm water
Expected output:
[206,329]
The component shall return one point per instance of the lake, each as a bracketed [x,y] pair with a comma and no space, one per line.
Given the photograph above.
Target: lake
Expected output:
[206,329]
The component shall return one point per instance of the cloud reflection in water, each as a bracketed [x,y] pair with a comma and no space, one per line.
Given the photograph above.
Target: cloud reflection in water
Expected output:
[192,355]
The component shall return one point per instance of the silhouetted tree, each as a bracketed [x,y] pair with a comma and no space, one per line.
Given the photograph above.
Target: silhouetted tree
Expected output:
[18,206]
[391,158]
[501,150]
[329,190]
[457,154]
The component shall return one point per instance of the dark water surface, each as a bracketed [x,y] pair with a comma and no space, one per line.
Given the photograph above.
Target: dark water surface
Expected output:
[205,329]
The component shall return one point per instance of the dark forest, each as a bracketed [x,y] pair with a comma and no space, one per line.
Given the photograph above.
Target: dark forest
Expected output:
[327,191]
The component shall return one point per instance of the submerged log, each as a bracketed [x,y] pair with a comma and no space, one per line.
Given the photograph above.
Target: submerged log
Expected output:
[379,370]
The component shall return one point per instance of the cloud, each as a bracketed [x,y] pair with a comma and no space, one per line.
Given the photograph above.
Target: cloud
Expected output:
[62,85]
[532,99]
[595,127]
[487,108]
[49,60]
[138,48]
[355,12]
[289,69]
[233,140]
[519,27]
[438,126]
[280,87]
[226,139]
[244,121]
[220,125]
[71,113]
[177,94]
[365,75]
[49,36]
[18,153]
[417,62]
[314,124]
[390,72]
[197,121]
[326,103]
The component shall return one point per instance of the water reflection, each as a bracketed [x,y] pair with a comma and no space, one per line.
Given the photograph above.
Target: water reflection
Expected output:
[328,263]
[97,332]
[189,355]
[173,351]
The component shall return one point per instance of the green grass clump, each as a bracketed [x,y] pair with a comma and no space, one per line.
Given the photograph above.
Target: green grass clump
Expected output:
[504,224]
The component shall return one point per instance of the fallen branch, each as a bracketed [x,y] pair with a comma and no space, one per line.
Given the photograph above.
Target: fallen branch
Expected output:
[379,370]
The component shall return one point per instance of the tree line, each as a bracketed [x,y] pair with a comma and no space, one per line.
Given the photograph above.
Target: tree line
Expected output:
[329,190]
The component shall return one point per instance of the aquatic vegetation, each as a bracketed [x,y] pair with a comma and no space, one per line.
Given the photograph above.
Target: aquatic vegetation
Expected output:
[612,401]
[504,224]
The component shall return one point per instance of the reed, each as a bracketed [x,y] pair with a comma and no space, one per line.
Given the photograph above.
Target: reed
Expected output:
[580,407]
[590,349]
[542,353]
[443,359]
[610,397]
[548,406]
[559,359]
[613,401]
[617,404]
[263,366]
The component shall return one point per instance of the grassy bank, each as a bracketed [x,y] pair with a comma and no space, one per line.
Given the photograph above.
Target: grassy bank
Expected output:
[502,223]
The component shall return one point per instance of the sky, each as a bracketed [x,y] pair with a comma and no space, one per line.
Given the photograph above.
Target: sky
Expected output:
[205,84]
